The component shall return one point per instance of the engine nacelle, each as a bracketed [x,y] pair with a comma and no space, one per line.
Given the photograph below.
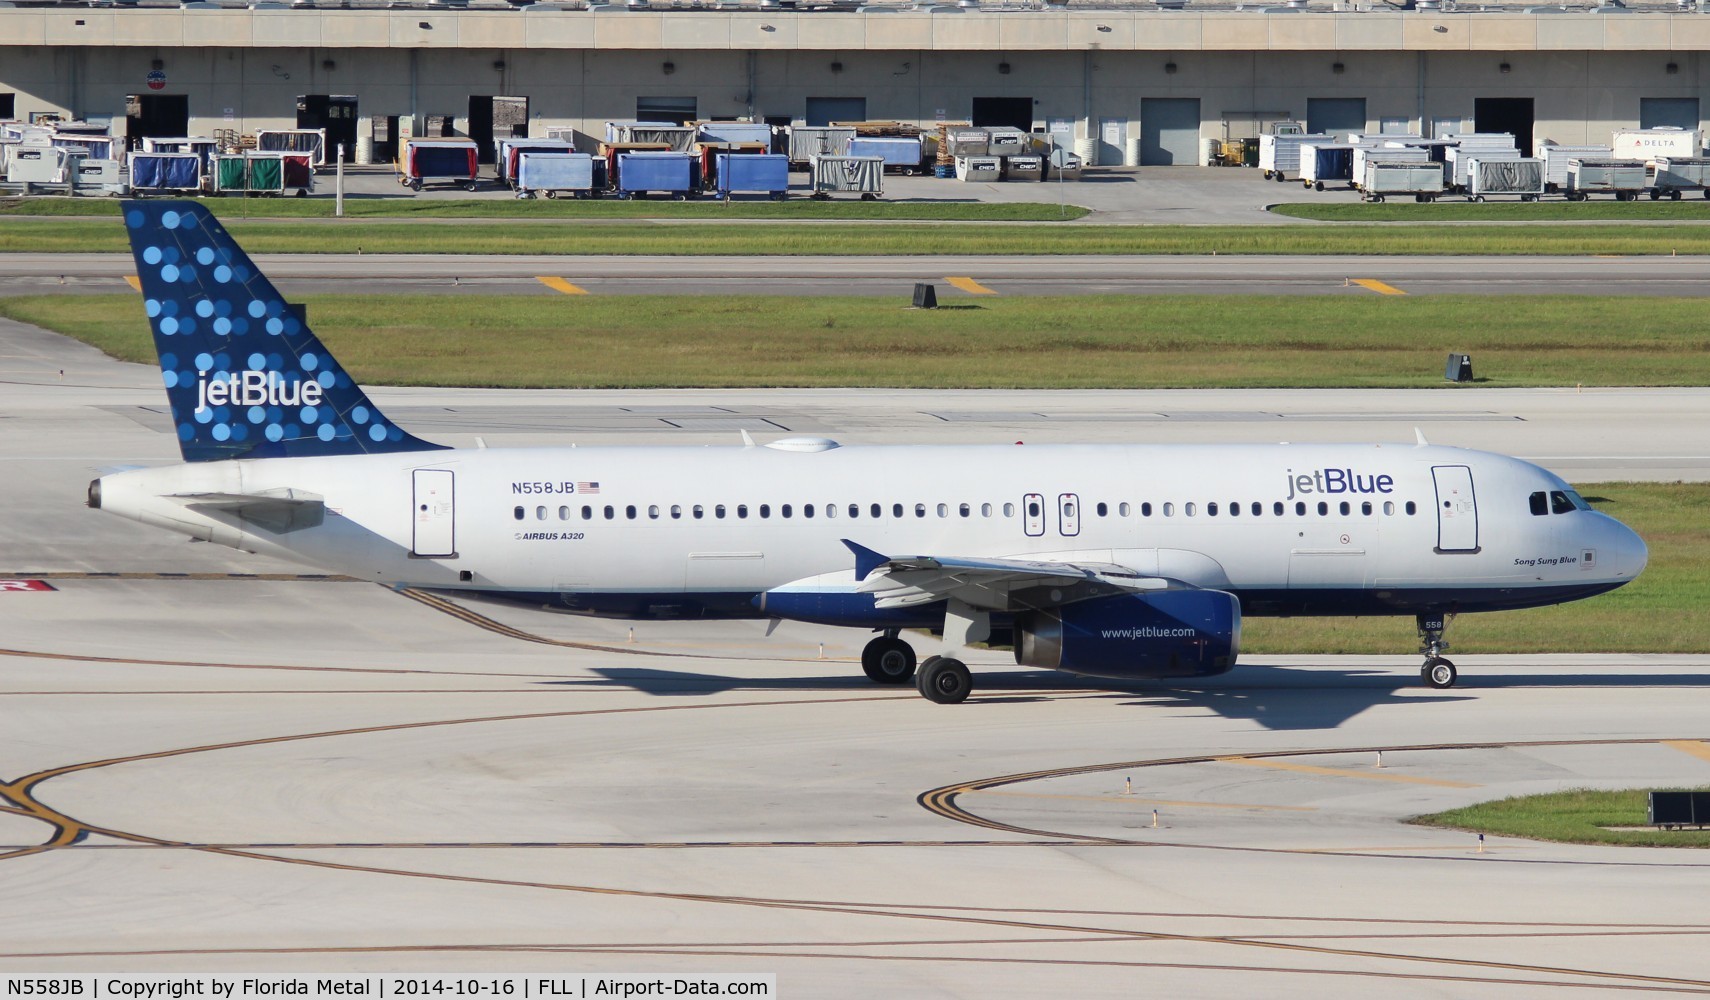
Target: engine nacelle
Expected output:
[1171,633]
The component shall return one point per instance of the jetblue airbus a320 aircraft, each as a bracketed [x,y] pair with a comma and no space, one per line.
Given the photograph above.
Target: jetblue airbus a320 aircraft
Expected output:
[1112,561]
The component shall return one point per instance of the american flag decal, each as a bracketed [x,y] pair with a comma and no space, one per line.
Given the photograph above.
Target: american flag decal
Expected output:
[587,487]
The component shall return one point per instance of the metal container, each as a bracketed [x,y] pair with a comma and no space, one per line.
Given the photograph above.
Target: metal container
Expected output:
[1023,168]
[245,174]
[1503,175]
[1674,174]
[1324,163]
[1424,181]
[36,165]
[203,147]
[669,173]
[864,175]
[1649,143]
[1622,178]
[1009,142]
[979,168]
[1385,154]
[734,132]
[1280,154]
[95,147]
[1556,157]
[553,174]
[1064,165]
[1457,163]
[763,173]
[101,175]
[901,153]
[809,141]
[970,142]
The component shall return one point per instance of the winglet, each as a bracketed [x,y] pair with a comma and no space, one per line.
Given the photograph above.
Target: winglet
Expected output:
[866,560]
[1419,437]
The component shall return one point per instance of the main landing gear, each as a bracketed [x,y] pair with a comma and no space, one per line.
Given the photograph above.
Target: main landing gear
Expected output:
[1437,672]
[888,659]
[944,680]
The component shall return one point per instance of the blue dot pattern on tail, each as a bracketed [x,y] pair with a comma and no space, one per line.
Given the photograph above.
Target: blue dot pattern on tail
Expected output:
[245,376]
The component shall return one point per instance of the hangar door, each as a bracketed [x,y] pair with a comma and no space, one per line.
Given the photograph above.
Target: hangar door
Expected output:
[1335,115]
[825,110]
[1169,130]
[1505,114]
[1680,112]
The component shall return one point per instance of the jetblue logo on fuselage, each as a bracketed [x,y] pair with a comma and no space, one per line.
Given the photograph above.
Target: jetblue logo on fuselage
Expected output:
[1337,481]
[253,388]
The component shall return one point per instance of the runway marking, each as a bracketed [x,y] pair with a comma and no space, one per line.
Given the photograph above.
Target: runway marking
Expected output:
[970,286]
[1340,772]
[1696,748]
[1136,800]
[133,281]
[560,285]
[1379,287]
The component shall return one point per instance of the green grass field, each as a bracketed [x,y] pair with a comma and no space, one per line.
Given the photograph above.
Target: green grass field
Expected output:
[1577,816]
[406,209]
[611,238]
[1455,209]
[1115,341]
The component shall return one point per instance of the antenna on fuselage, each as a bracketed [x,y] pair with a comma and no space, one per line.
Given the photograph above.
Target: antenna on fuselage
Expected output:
[1419,438]
[747,441]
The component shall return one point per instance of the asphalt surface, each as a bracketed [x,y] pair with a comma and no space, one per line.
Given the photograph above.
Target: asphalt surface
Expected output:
[375,274]
[208,771]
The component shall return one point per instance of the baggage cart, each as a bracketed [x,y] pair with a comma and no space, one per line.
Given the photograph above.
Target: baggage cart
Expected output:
[979,168]
[1501,175]
[95,147]
[1674,174]
[809,141]
[1382,178]
[438,160]
[1649,143]
[863,175]
[203,148]
[555,174]
[757,173]
[1279,155]
[312,141]
[640,174]
[1324,163]
[506,151]
[1556,156]
[163,173]
[900,153]
[616,131]
[1023,168]
[1364,155]
[709,152]
[1457,163]
[264,173]
[1622,178]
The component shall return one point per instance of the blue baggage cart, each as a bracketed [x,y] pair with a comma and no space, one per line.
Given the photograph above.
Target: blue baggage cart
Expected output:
[900,153]
[668,173]
[765,173]
[158,173]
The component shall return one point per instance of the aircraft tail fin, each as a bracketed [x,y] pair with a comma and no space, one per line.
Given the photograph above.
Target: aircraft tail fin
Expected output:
[245,376]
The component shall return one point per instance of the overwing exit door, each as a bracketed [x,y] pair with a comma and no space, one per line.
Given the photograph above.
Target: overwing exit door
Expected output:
[1033,514]
[1069,514]
[1457,509]
[434,515]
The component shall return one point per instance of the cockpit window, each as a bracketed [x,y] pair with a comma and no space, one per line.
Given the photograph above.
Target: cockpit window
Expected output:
[1564,501]
[1576,500]
[1540,504]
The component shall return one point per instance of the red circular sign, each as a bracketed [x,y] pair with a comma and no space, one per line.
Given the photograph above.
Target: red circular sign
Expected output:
[157,80]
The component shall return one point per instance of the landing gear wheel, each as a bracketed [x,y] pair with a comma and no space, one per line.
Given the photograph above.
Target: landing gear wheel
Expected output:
[1438,673]
[888,660]
[944,681]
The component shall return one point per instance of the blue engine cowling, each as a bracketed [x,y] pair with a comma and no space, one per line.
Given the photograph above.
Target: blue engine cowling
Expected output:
[1172,633]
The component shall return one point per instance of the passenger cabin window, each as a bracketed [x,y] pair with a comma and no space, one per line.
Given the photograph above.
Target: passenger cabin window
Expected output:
[1366,508]
[1412,508]
[1123,509]
[1278,508]
[807,510]
[676,512]
[854,510]
[1300,508]
[587,513]
[943,510]
[1008,510]
[741,510]
[1389,507]
[1102,508]
[919,510]
[610,512]
[1258,508]
[876,510]
[784,510]
[1169,510]
[896,510]
[964,510]
[1190,509]
[718,512]
[985,510]
[830,510]
[629,512]
[540,513]
[564,513]
[1146,509]
[653,511]
[765,510]
[1032,508]
[1323,508]
[1344,508]
[700,512]
[517,512]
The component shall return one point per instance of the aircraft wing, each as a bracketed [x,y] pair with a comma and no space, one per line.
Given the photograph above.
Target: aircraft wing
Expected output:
[992,584]
[277,511]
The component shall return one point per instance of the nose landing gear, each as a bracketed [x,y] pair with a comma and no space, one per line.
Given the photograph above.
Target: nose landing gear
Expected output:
[1437,672]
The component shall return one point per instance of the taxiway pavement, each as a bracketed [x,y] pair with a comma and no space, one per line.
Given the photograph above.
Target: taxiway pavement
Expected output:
[212,771]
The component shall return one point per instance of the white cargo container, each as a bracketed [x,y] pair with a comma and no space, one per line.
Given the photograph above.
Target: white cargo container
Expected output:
[99,175]
[1501,174]
[970,142]
[1008,142]
[1424,181]
[979,168]
[40,165]
[1064,165]
[1649,143]
[1456,161]
[1280,154]
[1556,156]
[1023,168]
[1674,174]
[1587,176]
[1365,155]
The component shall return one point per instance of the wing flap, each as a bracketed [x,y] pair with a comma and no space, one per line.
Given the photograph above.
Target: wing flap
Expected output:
[999,584]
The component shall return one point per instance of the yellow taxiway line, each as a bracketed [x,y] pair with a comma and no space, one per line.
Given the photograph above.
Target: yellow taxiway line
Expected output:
[133,281]
[560,285]
[970,286]
[1697,748]
[1378,286]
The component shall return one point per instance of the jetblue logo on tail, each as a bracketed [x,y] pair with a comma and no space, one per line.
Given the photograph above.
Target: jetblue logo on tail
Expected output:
[253,388]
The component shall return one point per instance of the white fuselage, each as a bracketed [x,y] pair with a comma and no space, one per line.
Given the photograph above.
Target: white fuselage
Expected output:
[686,531]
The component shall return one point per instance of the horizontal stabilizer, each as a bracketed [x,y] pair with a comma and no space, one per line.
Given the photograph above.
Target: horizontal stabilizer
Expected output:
[278,511]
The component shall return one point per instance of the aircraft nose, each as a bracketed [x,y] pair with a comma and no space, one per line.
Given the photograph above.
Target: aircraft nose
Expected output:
[1624,552]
